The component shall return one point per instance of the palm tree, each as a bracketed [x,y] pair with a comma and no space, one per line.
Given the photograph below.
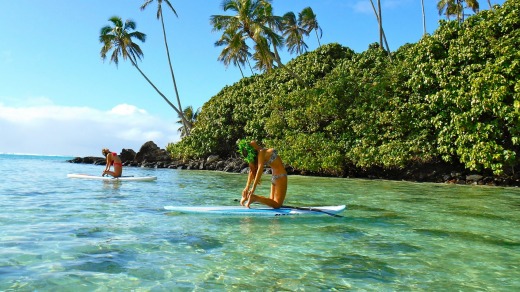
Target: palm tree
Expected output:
[263,57]
[274,24]
[471,4]
[160,16]
[307,19]
[293,34]
[236,50]
[119,40]
[191,118]
[447,7]
[254,20]
[456,8]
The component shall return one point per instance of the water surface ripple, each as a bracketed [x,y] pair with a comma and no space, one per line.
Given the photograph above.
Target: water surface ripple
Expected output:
[68,234]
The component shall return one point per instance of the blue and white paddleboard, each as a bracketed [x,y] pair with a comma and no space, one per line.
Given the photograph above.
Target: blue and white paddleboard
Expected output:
[258,211]
[110,178]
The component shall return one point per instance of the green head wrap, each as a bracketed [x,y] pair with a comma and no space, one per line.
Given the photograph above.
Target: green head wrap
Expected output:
[247,151]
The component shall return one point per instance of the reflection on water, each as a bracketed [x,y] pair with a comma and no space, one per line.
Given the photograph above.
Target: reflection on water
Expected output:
[94,235]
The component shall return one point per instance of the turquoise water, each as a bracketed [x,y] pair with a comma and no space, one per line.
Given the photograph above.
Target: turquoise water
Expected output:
[61,234]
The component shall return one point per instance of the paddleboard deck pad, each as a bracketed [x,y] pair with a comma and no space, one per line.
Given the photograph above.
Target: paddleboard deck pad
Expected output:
[110,178]
[257,211]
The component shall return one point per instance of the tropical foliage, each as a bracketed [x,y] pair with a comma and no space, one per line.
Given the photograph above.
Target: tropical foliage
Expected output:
[189,116]
[236,50]
[309,22]
[453,96]
[119,39]
[254,20]
[456,8]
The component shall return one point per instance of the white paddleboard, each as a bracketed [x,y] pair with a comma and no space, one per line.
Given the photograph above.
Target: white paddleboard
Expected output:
[258,211]
[110,178]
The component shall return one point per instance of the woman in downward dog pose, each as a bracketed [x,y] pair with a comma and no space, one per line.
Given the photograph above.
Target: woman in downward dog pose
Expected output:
[257,157]
[112,159]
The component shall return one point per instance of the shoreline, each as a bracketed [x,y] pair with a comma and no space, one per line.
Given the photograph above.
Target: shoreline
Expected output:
[151,156]
[434,173]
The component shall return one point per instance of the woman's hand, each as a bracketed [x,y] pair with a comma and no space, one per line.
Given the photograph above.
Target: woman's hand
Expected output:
[244,197]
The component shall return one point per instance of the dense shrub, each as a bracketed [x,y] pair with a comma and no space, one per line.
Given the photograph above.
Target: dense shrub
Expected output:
[454,95]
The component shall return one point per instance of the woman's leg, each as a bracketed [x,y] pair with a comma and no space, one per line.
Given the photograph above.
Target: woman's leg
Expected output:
[111,173]
[118,170]
[273,190]
[277,196]
[279,190]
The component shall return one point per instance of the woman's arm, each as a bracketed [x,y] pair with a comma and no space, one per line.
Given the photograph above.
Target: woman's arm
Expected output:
[245,192]
[259,170]
[250,179]
[109,162]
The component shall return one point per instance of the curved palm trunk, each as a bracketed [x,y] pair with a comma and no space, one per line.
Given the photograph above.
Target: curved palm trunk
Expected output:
[380,21]
[382,31]
[316,31]
[490,6]
[250,68]
[279,62]
[156,89]
[461,12]
[240,68]
[424,18]
[184,121]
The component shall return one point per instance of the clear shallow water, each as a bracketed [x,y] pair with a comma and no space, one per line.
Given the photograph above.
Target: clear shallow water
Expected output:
[67,234]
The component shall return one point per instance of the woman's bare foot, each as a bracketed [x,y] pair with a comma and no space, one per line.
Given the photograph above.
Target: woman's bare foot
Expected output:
[252,199]
[242,201]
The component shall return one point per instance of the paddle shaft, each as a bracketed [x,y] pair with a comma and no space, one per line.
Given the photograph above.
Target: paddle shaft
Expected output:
[306,209]
[312,209]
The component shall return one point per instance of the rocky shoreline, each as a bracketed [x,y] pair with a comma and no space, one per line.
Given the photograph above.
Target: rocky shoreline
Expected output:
[151,156]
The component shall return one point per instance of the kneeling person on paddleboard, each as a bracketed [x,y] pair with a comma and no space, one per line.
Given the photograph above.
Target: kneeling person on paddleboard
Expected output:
[112,159]
[258,157]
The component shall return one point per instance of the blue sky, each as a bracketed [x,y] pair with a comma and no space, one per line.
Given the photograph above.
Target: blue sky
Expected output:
[57,97]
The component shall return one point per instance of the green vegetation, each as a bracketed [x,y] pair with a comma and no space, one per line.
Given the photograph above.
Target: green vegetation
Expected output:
[254,20]
[118,39]
[453,96]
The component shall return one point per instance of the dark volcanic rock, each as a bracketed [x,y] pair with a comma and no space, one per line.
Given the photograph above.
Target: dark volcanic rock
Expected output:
[151,156]
[127,155]
[150,152]
[89,160]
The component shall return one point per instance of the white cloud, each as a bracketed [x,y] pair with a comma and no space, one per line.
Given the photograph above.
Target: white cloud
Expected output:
[80,131]
[127,109]
[38,114]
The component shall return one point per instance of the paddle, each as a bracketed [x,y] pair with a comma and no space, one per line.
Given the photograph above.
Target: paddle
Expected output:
[304,208]
[312,209]
[121,176]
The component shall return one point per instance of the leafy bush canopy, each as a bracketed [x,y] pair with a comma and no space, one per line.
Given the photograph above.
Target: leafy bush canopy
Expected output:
[453,96]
